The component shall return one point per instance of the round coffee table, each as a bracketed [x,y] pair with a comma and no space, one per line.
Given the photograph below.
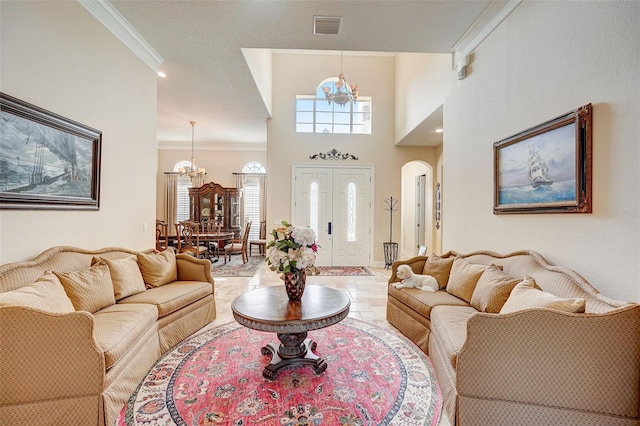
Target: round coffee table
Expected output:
[269,309]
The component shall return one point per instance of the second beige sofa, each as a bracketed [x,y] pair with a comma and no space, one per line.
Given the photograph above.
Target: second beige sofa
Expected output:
[527,364]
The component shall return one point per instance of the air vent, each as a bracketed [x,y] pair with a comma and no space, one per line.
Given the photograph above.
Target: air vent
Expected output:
[326,25]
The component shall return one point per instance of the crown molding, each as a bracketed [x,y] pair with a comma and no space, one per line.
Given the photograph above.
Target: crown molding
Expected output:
[495,12]
[213,146]
[108,16]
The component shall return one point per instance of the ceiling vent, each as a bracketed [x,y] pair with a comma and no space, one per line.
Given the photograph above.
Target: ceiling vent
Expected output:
[326,25]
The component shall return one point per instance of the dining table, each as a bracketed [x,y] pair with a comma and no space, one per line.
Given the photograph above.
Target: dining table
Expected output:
[206,238]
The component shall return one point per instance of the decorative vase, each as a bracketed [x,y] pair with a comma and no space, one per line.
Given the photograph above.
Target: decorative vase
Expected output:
[294,283]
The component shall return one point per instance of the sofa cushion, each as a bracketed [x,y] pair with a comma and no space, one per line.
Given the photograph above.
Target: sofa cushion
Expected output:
[46,294]
[171,297]
[158,268]
[464,277]
[423,301]
[449,329]
[118,327]
[492,290]
[89,290]
[526,295]
[125,275]
[439,268]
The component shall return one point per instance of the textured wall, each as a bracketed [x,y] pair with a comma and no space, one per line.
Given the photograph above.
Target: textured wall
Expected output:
[57,56]
[544,60]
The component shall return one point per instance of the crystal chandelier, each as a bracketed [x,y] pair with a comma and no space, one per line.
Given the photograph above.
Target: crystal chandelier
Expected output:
[192,171]
[344,91]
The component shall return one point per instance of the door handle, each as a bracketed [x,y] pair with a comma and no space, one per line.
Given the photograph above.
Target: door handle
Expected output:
[329,228]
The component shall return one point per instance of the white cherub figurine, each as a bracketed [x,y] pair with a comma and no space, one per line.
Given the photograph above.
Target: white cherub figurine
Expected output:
[411,280]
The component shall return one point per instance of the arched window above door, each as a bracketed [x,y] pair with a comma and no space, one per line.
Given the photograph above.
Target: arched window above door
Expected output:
[315,114]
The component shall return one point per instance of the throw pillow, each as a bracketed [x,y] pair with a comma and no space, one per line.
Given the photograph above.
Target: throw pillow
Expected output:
[89,290]
[492,290]
[526,295]
[46,294]
[439,268]
[125,275]
[158,268]
[463,278]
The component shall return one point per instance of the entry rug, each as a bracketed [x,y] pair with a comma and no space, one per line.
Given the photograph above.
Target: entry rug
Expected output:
[342,271]
[374,377]
[235,268]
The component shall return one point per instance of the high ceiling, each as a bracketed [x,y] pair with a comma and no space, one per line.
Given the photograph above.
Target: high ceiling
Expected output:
[208,80]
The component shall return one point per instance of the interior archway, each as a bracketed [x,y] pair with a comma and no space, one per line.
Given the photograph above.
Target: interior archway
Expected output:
[416,202]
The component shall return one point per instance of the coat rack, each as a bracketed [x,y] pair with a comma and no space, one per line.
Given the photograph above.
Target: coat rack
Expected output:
[390,248]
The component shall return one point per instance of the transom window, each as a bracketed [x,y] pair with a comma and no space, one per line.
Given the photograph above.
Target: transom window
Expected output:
[314,113]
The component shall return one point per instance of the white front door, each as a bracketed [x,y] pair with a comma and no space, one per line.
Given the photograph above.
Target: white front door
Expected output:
[336,203]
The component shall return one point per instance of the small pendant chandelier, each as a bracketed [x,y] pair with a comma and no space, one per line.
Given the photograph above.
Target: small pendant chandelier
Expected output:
[192,171]
[344,91]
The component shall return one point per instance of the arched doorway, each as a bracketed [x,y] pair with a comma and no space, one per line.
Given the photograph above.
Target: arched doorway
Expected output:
[416,223]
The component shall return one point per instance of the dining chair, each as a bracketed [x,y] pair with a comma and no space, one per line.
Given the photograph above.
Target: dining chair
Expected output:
[261,242]
[238,245]
[188,236]
[213,227]
[162,235]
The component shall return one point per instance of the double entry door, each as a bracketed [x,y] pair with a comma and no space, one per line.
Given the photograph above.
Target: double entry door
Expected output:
[336,202]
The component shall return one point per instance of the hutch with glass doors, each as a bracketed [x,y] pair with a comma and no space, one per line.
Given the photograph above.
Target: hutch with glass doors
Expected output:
[215,203]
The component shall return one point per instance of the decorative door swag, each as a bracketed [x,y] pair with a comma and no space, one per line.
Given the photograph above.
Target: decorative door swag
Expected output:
[334,154]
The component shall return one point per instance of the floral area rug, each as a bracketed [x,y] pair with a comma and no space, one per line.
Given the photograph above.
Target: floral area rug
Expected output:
[235,267]
[374,377]
[344,271]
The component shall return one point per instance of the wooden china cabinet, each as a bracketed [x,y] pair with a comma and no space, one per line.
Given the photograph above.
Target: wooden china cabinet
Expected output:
[215,203]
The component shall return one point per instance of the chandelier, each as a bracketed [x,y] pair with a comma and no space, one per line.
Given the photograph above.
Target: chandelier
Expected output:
[192,171]
[344,91]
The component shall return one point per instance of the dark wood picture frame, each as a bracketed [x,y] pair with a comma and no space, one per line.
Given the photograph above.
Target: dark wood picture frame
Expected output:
[48,161]
[547,168]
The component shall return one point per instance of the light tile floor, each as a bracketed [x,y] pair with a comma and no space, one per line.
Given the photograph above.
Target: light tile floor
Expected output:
[368,294]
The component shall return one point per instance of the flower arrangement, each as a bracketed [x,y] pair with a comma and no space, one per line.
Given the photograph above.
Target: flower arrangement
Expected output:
[292,249]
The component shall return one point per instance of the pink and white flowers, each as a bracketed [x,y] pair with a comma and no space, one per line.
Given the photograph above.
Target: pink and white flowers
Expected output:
[292,249]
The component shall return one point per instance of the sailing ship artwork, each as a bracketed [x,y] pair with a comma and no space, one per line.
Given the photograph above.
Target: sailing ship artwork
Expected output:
[44,162]
[541,169]
[538,169]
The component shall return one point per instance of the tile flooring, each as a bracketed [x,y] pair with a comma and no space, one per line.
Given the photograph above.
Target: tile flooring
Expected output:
[368,295]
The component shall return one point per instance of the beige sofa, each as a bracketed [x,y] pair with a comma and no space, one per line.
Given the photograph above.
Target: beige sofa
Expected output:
[502,359]
[75,343]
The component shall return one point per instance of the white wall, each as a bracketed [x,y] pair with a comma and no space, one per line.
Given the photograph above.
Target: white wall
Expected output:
[55,55]
[297,75]
[259,63]
[421,82]
[544,60]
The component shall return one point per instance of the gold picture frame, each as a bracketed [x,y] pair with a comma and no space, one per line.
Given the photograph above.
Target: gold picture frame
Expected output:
[547,168]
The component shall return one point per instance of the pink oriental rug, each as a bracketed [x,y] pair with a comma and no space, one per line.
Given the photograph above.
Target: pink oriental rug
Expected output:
[374,377]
